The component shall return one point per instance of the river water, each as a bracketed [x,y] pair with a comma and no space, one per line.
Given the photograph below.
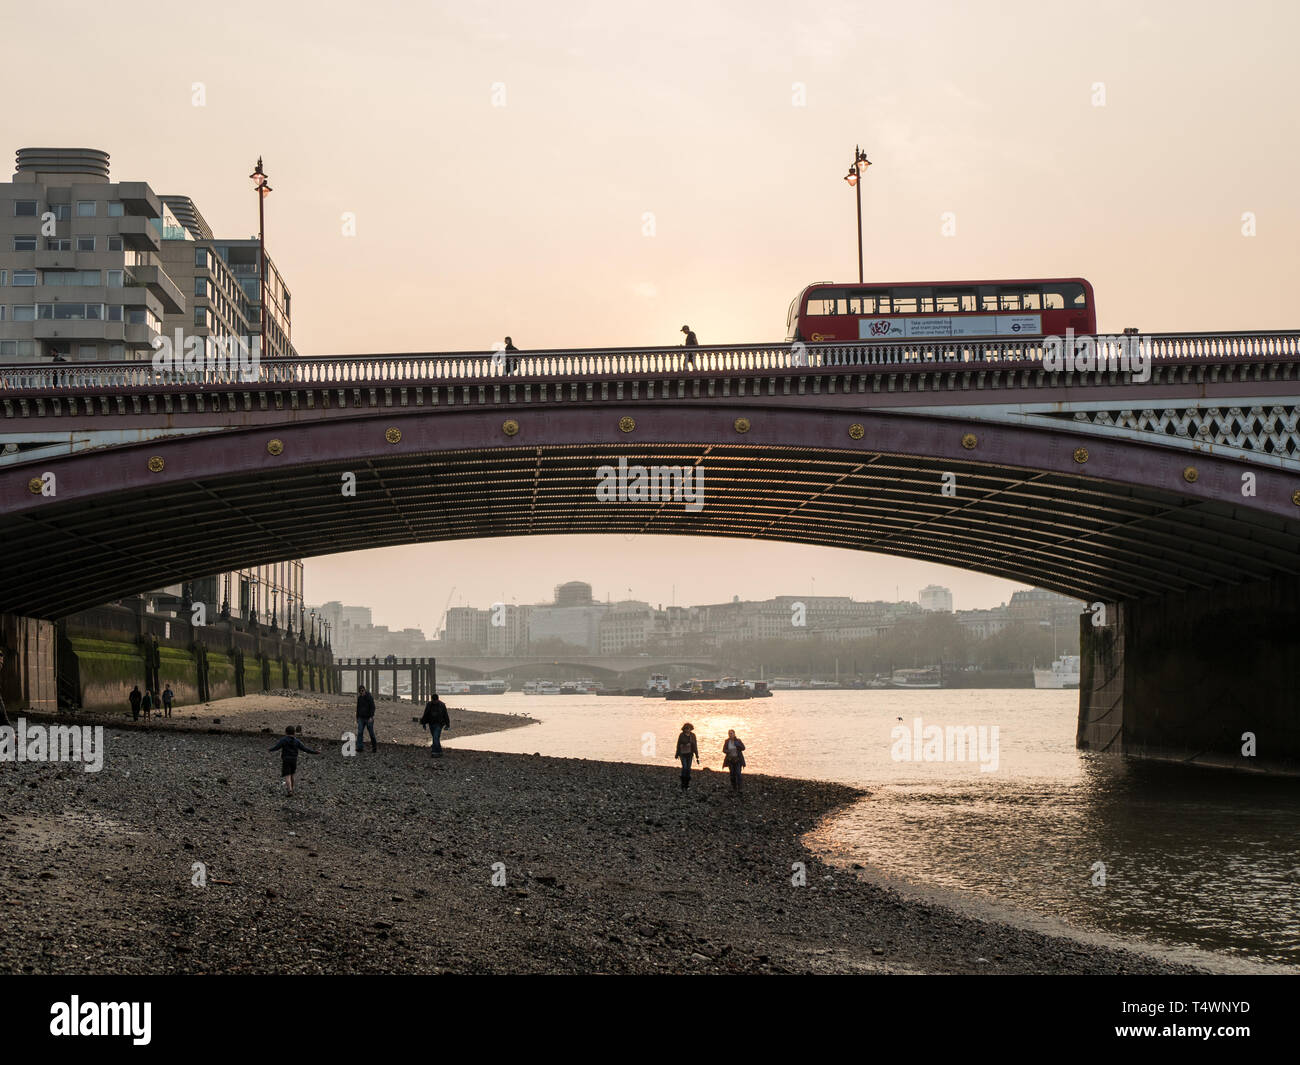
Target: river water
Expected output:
[1191,857]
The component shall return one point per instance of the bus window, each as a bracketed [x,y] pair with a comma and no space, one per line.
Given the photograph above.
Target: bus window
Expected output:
[1009,301]
[1031,301]
[1064,294]
[947,302]
[824,304]
[904,304]
[988,301]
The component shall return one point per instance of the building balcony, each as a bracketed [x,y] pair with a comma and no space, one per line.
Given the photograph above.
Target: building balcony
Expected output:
[139,199]
[77,329]
[139,233]
[156,281]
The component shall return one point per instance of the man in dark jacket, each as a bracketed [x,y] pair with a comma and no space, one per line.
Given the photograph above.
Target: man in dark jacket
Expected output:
[690,345]
[366,719]
[135,703]
[435,720]
[687,748]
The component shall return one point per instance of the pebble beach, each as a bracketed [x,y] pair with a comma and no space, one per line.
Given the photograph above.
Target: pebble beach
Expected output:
[184,855]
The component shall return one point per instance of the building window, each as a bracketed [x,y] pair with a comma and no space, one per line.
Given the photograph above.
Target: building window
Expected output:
[201,257]
[24,208]
[115,209]
[114,243]
[64,278]
[2,312]
[57,244]
[115,278]
[113,314]
[25,278]
[116,351]
[86,208]
[4,278]
[24,312]
[85,244]
[87,351]
[24,243]
[8,347]
[62,211]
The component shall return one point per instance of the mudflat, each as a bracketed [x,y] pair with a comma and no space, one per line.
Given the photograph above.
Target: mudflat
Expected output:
[184,855]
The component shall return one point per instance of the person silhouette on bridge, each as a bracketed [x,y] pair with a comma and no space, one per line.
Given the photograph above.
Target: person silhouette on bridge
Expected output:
[366,720]
[688,747]
[135,698]
[691,342]
[512,361]
[435,720]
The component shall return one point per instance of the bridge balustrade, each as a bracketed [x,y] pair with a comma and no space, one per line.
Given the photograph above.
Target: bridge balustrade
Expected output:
[615,363]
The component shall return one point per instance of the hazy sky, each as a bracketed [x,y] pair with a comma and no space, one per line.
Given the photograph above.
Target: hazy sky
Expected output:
[1122,142]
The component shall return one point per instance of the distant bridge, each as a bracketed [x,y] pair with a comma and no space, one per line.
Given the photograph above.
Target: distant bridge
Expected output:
[612,665]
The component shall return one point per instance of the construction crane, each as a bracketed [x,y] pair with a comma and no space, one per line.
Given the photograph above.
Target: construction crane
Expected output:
[439,627]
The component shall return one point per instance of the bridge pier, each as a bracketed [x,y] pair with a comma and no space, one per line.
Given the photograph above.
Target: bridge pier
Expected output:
[1197,677]
[28,680]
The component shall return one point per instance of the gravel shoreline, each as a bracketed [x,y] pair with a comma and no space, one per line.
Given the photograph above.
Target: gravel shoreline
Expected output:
[385,863]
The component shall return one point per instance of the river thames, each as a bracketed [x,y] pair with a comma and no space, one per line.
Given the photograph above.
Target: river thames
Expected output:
[1189,857]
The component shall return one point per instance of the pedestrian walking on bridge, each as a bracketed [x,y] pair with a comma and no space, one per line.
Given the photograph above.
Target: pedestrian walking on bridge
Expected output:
[690,345]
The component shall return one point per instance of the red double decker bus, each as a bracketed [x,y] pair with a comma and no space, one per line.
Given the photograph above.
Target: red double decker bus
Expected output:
[936,309]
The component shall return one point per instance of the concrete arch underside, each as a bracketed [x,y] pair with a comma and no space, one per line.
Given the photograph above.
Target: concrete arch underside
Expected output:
[1091,518]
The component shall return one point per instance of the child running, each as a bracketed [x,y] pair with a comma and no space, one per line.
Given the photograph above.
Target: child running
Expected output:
[289,745]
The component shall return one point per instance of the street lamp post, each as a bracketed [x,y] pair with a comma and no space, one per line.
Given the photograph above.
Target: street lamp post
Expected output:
[854,177]
[263,190]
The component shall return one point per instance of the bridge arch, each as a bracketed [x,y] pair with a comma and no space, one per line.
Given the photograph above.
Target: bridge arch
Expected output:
[1086,516]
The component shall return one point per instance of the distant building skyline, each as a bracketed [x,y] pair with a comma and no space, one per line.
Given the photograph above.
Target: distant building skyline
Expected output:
[574,617]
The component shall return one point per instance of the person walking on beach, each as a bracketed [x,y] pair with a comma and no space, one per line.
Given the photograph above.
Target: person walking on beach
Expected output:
[435,720]
[366,720]
[690,345]
[289,745]
[688,747]
[146,703]
[135,703]
[733,752]
[167,697]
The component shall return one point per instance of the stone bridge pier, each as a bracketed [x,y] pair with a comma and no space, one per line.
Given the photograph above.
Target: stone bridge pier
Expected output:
[1209,677]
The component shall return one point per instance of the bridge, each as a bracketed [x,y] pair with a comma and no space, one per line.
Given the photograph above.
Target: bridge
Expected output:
[611,665]
[1172,496]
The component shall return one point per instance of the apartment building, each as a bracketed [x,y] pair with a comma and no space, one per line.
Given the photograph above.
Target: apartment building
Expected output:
[93,270]
[81,272]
